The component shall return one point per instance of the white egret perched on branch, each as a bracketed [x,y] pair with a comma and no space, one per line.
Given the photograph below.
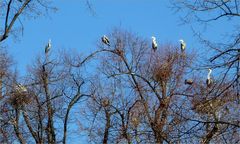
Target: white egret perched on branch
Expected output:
[209,80]
[20,88]
[48,46]
[183,45]
[154,43]
[105,40]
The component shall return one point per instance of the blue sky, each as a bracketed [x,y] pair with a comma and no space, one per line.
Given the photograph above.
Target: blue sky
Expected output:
[74,27]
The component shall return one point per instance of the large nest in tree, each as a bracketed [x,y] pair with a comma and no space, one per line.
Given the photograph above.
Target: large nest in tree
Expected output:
[211,102]
[162,72]
[105,102]
[18,99]
[165,64]
[208,102]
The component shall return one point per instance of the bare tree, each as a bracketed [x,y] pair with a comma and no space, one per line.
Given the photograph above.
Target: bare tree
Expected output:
[220,104]
[151,79]
[42,113]
[206,10]
[138,95]
[14,10]
[225,55]
[142,96]
[5,82]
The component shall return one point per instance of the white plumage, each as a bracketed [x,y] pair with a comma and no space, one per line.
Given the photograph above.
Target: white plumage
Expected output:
[48,46]
[183,45]
[209,80]
[154,43]
[105,40]
[20,88]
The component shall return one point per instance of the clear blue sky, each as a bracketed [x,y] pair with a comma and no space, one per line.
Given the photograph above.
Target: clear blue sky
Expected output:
[74,27]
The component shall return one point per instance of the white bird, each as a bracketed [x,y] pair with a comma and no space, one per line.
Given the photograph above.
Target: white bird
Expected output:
[183,45]
[209,80]
[154,43]
[105,40]
[20,88]
[48,46]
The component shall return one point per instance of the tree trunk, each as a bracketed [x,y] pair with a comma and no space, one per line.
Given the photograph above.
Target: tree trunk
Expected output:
[50,126]
[16,128]
[210,135]
[1,96]
[107,126]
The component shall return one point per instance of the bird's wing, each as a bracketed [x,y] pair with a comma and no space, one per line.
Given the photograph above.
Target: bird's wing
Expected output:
[107,40]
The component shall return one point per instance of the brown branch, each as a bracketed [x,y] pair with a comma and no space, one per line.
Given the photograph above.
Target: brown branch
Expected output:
[222,53]
[50,126]
[107,127]
[28,123]
[16,127]
[73,101]
[7,15]
[15,17]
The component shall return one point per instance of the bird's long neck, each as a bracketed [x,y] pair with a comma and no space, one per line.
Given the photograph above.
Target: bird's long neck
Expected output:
[209,74]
